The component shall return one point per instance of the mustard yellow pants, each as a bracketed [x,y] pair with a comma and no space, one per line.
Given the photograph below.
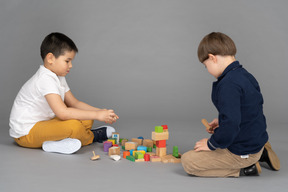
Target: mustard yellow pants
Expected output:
[218,163]
[56,129]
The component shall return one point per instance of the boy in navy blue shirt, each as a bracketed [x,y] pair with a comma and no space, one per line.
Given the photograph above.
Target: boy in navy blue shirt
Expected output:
[239,138]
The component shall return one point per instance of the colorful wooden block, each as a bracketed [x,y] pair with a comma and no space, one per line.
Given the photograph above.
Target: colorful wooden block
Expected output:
[158,129]
[160,136]
[170,159]
[142,148]
[165,128]
[131,158]
[154,158]
[147,157]
[139,155]
[161,143]
[113,140]
[149,149]
[151,153]
[116,136]
[138,141]
[148,142]
[134,152]
[175,151]
[161,151]
[126,153]
[107,145]
[123,141]
[130,145]
[139,160]
[114,151]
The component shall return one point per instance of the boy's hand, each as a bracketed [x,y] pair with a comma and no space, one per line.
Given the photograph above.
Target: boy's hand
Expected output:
[202,145]
[108,116]
[213,124]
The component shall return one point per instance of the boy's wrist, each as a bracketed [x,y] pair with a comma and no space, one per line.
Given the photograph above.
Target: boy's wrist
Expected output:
[210,145]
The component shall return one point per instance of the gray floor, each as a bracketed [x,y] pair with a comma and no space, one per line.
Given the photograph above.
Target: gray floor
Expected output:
[31,170]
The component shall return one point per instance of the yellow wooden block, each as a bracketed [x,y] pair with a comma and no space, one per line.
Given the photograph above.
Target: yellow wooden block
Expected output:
[112,140]
[160,136]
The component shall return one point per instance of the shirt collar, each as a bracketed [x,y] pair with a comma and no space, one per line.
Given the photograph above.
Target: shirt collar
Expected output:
[230,67]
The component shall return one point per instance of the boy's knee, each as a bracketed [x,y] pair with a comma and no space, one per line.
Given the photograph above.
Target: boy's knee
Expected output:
[187,160]
[75,125]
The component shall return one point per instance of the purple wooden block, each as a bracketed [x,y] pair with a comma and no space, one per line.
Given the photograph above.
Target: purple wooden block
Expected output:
[107,145]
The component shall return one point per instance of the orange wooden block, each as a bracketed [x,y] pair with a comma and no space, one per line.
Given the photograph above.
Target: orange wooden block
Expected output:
[126,153]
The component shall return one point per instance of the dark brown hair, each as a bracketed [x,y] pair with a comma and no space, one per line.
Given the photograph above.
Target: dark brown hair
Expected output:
[216,43]
[57,44]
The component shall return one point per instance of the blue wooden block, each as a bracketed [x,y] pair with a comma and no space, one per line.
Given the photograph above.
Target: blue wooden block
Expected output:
[142,148]
[131,152]
[140,137]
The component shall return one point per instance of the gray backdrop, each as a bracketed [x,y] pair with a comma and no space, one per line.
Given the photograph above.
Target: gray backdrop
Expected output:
[140,57]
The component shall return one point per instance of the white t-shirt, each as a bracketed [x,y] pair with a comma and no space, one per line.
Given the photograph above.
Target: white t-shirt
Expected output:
[30,105]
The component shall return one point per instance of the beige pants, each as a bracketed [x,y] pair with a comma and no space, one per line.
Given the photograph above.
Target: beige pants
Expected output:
[218,163]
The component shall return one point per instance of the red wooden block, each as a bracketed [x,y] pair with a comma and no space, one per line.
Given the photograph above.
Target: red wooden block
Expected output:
[165,127]
[147,157]
[161,143]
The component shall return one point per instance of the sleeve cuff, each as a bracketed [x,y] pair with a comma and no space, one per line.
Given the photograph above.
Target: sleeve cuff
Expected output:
[210,145]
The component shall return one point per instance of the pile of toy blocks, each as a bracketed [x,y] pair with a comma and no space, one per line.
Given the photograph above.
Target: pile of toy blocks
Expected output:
[141,150]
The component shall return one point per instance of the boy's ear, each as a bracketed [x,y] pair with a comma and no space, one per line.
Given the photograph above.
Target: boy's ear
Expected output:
[50,58]
[212,57]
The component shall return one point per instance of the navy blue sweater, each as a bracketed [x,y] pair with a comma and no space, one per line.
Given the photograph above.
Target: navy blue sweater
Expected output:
[242,124]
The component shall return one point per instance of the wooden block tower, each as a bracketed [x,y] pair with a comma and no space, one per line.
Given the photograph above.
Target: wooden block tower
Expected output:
[160,136]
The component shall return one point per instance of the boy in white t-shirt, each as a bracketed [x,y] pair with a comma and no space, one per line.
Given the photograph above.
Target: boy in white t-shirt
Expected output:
[46,114]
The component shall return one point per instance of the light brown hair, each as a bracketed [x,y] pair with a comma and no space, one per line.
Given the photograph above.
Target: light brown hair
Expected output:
[216,43]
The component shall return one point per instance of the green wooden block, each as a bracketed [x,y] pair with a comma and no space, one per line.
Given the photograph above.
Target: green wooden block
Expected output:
[175,151]
[130,158]
[158,129]
[154,146]
[139,155]
[123,147]
[149,149]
